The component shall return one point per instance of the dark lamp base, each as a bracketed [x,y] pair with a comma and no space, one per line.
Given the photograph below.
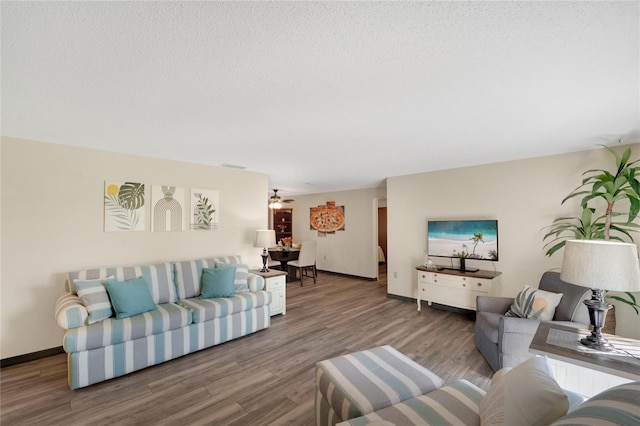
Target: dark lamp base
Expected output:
[264,261]
[601,344]
[597,314]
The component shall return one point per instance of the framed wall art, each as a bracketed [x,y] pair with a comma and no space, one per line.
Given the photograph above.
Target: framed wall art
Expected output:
[168,206]
[124,206]
[327,219]
[204,209]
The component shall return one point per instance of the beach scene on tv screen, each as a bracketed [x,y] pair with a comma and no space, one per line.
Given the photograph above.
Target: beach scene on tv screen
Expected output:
[473,239]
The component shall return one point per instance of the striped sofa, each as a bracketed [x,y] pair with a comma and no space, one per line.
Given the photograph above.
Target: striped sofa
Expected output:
[181,324]
[382,387]
[459,402]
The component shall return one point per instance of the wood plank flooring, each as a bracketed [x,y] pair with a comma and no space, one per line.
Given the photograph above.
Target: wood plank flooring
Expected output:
[266,378]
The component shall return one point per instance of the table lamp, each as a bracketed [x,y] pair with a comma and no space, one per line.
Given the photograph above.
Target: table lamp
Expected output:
[265,238]
[600,265]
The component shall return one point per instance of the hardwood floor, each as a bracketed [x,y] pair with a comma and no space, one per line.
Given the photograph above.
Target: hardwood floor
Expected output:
[262,379]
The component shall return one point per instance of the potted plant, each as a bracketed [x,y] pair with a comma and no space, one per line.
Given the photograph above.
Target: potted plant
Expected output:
[601,185]
[287,242]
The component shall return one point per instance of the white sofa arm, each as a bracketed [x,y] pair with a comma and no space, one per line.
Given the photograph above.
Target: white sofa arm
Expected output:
[70,312]
[256,282]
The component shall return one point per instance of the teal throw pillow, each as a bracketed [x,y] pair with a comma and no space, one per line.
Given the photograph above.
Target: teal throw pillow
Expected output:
[241,281]
[218,282]
[130,297]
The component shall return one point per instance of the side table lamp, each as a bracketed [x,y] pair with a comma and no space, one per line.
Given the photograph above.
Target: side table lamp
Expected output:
[600,265]
[265,238]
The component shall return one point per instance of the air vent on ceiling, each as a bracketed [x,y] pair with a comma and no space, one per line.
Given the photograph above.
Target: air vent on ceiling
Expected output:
[233,166]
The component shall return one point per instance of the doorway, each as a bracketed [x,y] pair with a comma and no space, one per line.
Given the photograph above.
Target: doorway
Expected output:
[382,238]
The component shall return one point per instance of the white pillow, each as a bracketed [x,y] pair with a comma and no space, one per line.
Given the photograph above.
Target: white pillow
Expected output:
[526,395]
[535,304]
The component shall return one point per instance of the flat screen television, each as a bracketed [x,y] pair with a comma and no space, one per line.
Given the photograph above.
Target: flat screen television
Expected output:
[472,239]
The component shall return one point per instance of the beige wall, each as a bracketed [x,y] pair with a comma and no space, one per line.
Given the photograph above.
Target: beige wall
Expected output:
[52,222]
[352,251]
[523,195]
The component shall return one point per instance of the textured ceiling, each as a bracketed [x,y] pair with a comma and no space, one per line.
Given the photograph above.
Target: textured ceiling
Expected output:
[323,96]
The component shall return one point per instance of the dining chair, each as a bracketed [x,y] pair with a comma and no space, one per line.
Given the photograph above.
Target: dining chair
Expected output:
[306,261]
[272,264]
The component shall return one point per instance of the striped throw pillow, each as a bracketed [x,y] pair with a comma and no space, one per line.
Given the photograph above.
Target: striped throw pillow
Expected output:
[619,405]
[95,298]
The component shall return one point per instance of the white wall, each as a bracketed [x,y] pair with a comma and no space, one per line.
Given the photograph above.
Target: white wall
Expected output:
[352,251]
[52,222]
[523,195]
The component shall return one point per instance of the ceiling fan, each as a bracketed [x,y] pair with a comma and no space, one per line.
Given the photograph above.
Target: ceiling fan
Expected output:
[275,202]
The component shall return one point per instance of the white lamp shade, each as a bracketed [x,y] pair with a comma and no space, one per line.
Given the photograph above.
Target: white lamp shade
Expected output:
[605,265]
[265,238]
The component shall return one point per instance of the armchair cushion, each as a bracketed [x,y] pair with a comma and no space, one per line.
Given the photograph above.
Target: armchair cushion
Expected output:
[570,307]
[514,338]
[535,304]
[497,305]
[518,325]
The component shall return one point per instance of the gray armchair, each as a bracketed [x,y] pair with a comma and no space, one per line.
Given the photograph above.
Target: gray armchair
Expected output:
[504,341]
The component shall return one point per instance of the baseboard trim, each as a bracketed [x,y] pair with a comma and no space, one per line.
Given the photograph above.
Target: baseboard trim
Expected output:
[403,298]
[347,275]
[7,362]
[423,303]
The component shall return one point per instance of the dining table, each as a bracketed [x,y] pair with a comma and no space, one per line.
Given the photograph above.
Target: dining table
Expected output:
[284,256]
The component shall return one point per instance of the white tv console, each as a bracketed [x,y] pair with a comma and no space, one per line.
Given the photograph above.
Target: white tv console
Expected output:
[455,288]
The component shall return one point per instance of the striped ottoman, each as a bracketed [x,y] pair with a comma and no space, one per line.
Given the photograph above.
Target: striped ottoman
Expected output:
[353,385]
[454,404]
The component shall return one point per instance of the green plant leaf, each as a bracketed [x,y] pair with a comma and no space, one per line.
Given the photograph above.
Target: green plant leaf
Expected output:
[125,220]
[612,152]
[555,248]
[204,212]
[131,195]
[625,158]
[632,303]
[574,194]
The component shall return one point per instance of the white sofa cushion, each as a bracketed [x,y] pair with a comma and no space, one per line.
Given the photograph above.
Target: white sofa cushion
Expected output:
[526,395]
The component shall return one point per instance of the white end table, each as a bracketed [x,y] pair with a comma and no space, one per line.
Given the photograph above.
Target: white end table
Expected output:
[275,281]
[583,370]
